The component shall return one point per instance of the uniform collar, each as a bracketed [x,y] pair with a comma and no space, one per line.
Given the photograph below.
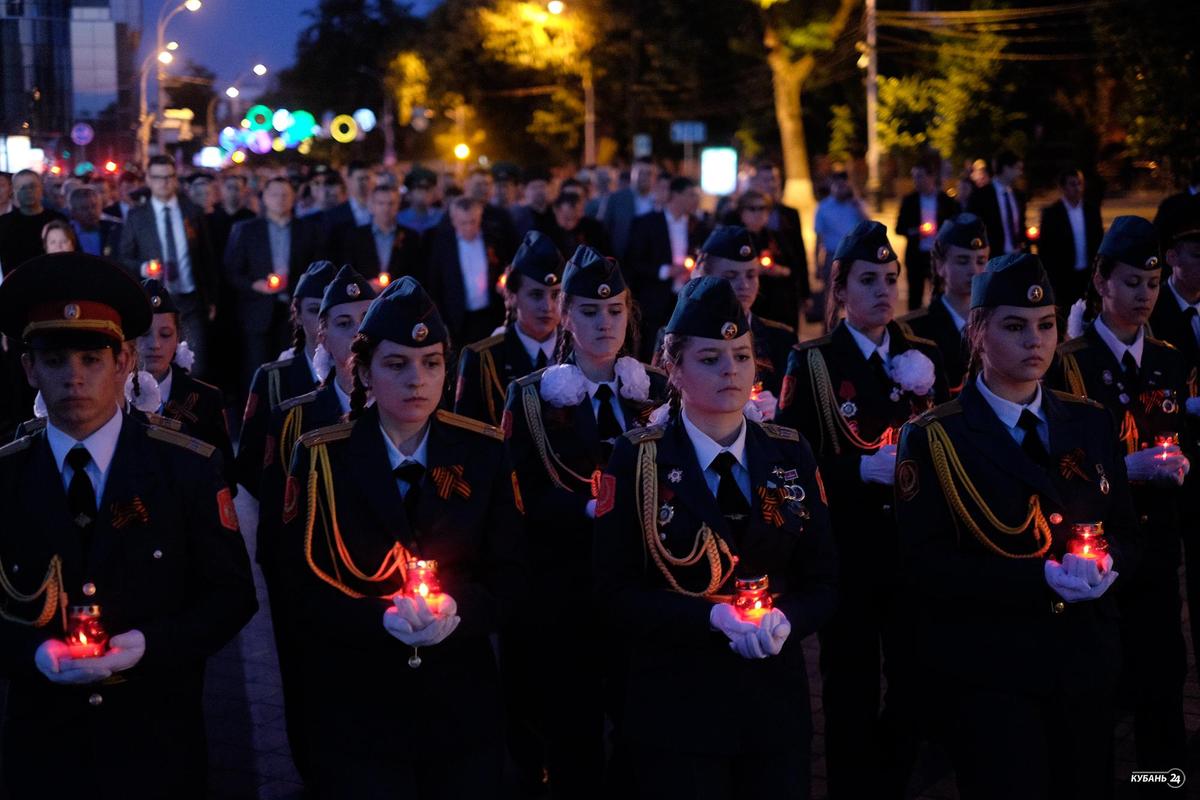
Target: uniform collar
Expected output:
[532,346]
[101,445]
[959,322]
[707,449]
[867,346]
[164,386]
[344,401]
[396,458]
[1008,411]
[159,205]
[592,386]
[1119,348]
[1184,305]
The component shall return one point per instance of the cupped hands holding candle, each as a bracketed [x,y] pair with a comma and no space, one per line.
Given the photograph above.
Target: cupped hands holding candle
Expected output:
[55,659]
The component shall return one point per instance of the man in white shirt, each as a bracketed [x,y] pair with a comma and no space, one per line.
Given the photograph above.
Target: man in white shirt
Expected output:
[462,274]
[1070,233]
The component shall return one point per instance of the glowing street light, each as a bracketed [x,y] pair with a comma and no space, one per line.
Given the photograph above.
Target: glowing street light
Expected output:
[556,7]
[172,46]
[260,69]
[461,151]
[193,5]
[165,57]
[232,92]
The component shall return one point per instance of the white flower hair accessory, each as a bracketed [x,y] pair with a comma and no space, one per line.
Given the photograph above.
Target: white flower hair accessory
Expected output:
[659,415]
[39,407]
[913,371]
[1075,319]
[752,412]
[563,385]
[148,398]
[634,380]
[288,353]
[184,356]
[322,363]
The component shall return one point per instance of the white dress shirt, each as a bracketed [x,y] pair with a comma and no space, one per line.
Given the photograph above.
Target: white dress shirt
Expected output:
[642,203]
[677,229]
[533,346]
[101,445]
[472,261]
[1119,348]
[1010,413]
[362,213]
[708,449]
[342,398]
[959,322]
[164,388]
[615,402]
[1008,214]
[868,347]
[184,282]
[396,457]
[1184,305]
[1078,233]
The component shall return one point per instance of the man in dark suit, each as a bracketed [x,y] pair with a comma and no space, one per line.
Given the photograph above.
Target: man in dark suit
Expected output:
[340,220]
[660,246]
[21,228]
[627,204]
[784,224]
[922,213]
[462,271]
[264,257]
[383,246]
[1071,229]
[167,238]
[97,235]
[1177,207]
[127,183]
[1000,205]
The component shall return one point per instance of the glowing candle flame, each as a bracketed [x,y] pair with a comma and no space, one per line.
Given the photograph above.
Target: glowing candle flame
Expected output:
[385,278]
[927,228]
[274,281]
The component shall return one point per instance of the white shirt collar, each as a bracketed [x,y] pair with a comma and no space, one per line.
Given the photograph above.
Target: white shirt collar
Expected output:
[674,220]
[959,322]
[159,205]
[343,399]
[1184,305]
[164,386]
[592,386]
[1118,347]
[1008,411]
[532,346]
[867,346]
[707,449]
[396,457]
[312,368]
[101,445]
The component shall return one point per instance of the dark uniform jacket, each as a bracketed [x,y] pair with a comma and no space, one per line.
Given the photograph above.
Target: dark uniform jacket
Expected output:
[992,621]
[273,383]
[167,559]
[199,407]
[686,689]
[935,324]
[485,369]
[362,697]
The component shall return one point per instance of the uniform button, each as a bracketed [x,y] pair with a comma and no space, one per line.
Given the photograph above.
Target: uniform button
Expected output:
[1059,607]
[1056,518]
[16,568]
[157,554]
[95,699]
[1144,518]
[89,589]
[887,508]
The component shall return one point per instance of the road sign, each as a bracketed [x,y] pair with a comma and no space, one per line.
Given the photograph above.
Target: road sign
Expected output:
[82,134]
[688,132]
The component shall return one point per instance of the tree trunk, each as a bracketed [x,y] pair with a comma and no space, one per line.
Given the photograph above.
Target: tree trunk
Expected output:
[788,78]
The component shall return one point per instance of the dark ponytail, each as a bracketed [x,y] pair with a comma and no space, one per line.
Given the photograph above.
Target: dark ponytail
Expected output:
[672,353]
[298,337]
[362,349]
[1102,266]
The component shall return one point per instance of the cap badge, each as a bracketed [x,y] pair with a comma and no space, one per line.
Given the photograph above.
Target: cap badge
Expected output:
[1151,262]
[353,290]
[745,251]
[883,255]
[155,301]
[977,243]
[603,290]
[729,330]
[70,311]
[1035,294]
[420,332]
[550,279]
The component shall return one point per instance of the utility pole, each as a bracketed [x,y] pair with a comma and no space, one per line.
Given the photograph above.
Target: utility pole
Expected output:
[874,185]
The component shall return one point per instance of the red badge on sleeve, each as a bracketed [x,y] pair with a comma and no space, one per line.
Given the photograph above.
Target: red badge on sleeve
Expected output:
[269,452]
[606,497]
[225,509]
[251,406]
[506,423]
[787,391]
[517,493]
[291,499]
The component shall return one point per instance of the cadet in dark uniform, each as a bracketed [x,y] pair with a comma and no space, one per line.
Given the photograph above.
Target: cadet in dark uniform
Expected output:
[531,296]
[402,700]
[848,393]
[108,519]
[1144,383]
[291,375]
[342,309]
[960,252]
[562,422]
[717,703]
[197,406]
[1015,635]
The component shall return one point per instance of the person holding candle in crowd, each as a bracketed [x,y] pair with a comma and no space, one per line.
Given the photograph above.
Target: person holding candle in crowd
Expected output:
[562,423]
[1015,626]
[402,696]
[342,310]
[197,406]
[693,517]
[1144,383]
[959,253]
[127,528]
[532,288]
[293,373]
[849,392]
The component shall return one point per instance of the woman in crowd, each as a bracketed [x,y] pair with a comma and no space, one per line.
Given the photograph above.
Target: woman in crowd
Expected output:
[59,237]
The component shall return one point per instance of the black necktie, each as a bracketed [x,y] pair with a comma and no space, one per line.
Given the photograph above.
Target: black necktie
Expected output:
[1132,375]
[733,504]
[81,495]
[876,362]
[606,419]
[1189,316]
[1010,216]
[1032,443]
[541,361]
[171,267]
[411,473]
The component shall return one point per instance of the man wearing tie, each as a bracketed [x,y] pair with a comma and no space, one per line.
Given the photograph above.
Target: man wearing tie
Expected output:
[1001,206]
[167,239]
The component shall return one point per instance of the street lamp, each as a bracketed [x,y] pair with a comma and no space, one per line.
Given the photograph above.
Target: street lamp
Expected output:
[165,57]
[232,92]
[556,7]
[165,17]
[172,46]
[145,118]
[260,69]
[462,151]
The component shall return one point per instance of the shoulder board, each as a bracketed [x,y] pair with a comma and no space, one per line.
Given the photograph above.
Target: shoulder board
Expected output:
[780,432]
[486,344]
[910,316]
[650,433]
[531,379]
[939,412]
[779,326]
[180,440]
[914,339]
[16,447]
[1073,345]
[1160,343]
[299,400]
[164,422]
[473,425]
[331,433]
[810,343]
[1066,397]
[32,426]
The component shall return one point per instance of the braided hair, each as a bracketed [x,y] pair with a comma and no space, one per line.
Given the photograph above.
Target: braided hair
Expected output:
[298,337]
[1103,266]
[977,324]
[672,354]
[512,285]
